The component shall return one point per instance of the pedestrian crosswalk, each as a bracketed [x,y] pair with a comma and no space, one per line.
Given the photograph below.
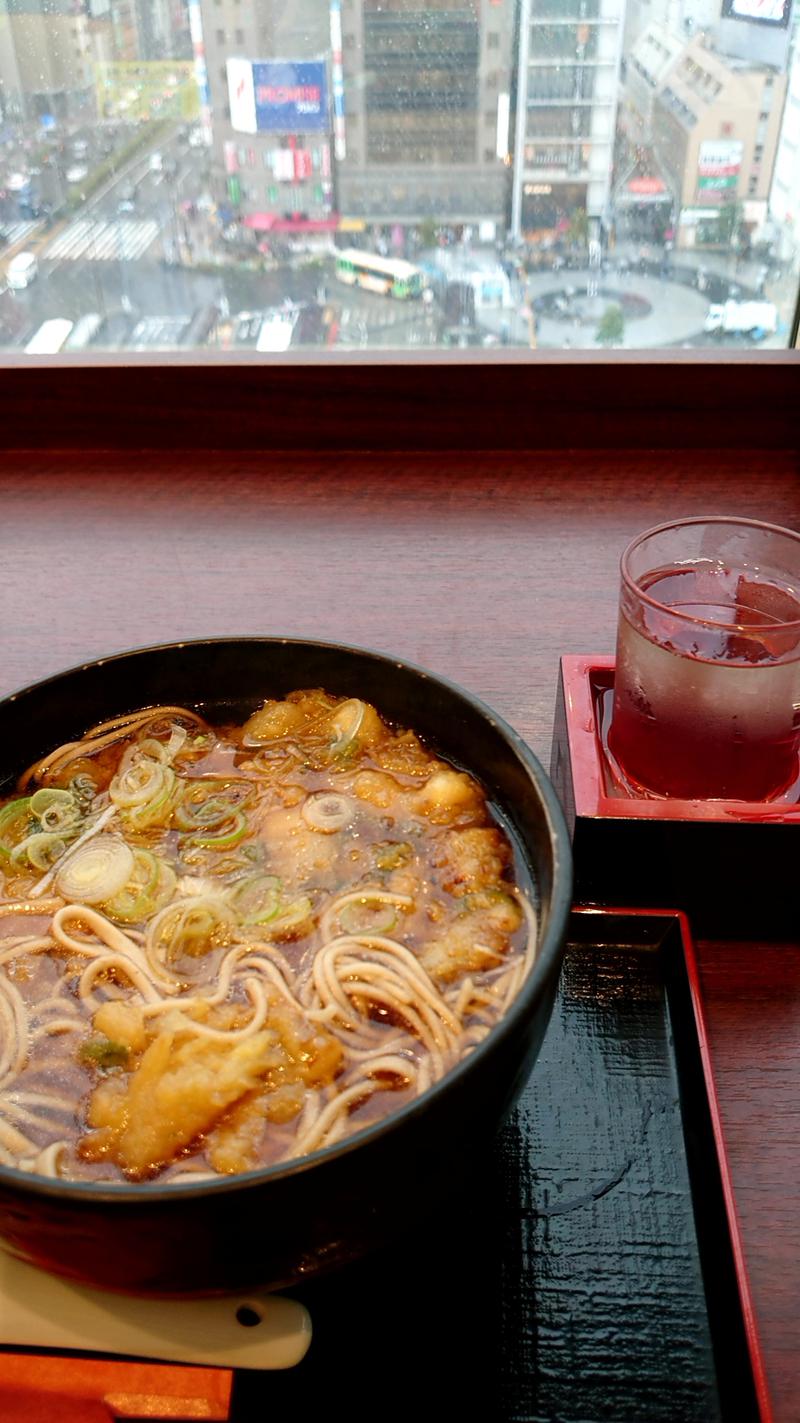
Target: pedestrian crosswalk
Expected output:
[15,232]
[94,240]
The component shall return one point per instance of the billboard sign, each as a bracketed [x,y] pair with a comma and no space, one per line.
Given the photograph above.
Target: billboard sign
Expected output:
[718,167]
[720,158]
[763,12]
[241,95]
[278,96]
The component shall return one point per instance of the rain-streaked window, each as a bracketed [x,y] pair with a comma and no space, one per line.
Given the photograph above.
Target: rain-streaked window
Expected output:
[392,174]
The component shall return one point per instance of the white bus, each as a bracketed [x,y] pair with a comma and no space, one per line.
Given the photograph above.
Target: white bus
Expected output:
[387,275]
[50,338]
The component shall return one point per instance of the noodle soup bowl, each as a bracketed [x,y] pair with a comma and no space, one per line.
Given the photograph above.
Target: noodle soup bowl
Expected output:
[292,1220]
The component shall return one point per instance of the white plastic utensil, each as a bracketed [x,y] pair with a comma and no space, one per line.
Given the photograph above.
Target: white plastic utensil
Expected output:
[254,1331]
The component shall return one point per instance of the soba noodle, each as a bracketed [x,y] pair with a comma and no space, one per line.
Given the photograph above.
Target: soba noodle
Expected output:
[225,948]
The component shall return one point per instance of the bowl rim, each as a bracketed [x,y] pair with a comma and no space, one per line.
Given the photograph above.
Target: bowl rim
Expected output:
[547,950]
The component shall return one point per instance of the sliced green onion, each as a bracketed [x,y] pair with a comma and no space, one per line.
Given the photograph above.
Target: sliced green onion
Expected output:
[207,804]
[15,823]
[141,782]
[296,919]
[224,837]
[187,930]
[97,871]
[500,907]
[257,900]
[41,850]
[327,811]
[346,724]
[103,1053]
[369,915]
[150,886]
[156,811]
[53,803]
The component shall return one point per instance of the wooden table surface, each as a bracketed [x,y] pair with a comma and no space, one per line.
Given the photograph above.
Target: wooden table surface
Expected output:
[483,567]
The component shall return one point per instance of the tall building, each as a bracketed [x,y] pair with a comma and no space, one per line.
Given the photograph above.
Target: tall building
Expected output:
[655,53]
[268,68]
[426,96]
[566,107]
[45,60]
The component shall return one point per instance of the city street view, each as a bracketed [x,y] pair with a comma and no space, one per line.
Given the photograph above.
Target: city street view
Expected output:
[545,174]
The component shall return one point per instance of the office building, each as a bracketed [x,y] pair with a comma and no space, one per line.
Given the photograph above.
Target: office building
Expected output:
[715,127]
[566,107]
[426,105]
[45,60]
[268,71]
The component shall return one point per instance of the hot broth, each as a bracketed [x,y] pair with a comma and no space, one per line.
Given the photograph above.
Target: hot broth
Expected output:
[222,948]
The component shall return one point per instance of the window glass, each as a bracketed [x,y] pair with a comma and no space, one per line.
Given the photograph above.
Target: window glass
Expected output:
[387,174]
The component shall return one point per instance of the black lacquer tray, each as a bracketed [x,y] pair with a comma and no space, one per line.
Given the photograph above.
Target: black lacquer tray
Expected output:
[590,1273]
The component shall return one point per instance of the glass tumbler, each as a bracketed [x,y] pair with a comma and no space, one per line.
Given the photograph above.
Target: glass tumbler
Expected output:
[707,681]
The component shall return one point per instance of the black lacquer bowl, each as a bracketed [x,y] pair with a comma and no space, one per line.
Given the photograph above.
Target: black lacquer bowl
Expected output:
[287,1222]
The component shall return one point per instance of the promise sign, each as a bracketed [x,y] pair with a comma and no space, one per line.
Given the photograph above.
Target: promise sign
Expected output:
[278,96]
[718,167]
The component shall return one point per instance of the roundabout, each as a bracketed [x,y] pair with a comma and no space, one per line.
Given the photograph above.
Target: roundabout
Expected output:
[656,311]
[587,304]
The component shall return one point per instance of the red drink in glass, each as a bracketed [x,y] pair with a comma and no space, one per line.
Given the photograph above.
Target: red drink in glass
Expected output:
[707,681]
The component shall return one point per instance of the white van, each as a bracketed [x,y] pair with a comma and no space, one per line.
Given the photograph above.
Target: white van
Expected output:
[84,331]
[21,271]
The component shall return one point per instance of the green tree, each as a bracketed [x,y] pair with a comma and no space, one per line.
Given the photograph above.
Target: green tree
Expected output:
[428,232]
[612,327]
[578,230]
[729,219]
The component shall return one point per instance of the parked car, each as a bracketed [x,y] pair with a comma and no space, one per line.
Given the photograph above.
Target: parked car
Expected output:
[21,271]
[84,331]
[77,173]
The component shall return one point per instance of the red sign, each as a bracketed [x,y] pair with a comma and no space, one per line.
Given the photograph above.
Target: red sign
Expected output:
[647,186]
[279,95]
[270,222]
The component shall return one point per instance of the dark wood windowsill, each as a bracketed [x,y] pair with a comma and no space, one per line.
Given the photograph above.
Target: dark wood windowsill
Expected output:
[515,400]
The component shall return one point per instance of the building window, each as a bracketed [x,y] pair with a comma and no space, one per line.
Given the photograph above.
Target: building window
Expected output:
[240,36]
[220,37]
